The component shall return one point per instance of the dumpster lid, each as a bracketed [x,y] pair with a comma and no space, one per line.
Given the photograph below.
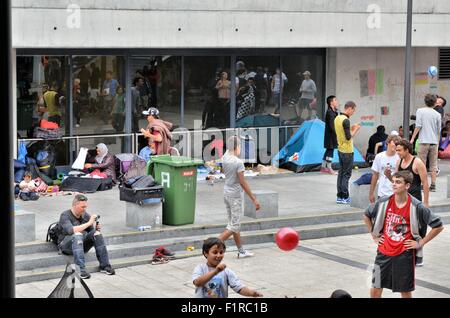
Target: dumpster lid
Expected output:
[177,161]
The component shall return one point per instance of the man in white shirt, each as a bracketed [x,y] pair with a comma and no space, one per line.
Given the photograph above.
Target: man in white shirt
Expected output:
[385,161]
[428,126]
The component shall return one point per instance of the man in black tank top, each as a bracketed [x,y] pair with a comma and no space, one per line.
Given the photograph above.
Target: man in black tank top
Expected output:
[417,168]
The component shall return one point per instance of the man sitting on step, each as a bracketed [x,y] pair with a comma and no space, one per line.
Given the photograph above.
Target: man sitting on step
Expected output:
[78,235]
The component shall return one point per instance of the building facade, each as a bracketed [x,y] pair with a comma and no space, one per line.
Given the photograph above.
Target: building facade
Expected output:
[94,53]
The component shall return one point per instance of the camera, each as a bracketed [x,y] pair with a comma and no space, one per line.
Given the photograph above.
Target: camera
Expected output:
[97,218]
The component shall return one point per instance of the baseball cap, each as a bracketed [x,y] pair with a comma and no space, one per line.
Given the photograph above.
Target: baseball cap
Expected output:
[152,111]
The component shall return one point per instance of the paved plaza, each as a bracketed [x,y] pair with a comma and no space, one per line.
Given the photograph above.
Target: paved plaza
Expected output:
[313,270]
[301,194]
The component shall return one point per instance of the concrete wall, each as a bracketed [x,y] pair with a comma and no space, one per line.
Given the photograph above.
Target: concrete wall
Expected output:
[226,24]
[388,92]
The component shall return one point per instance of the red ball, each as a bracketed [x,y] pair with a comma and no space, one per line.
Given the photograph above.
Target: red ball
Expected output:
[287,239]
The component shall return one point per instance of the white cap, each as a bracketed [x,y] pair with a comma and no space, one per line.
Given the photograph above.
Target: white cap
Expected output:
[394,133]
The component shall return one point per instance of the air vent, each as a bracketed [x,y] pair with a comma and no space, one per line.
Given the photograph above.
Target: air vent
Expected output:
[444,63]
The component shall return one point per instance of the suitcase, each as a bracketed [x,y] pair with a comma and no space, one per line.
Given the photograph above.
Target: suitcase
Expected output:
[139,195]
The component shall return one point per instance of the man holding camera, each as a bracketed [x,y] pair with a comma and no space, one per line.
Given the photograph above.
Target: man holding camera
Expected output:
[79,231]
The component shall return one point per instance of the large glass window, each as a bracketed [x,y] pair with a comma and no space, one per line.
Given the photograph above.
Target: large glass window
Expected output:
[258,90]
[304,91]
[41,92]
[156,82]
[98,94]
[207,91]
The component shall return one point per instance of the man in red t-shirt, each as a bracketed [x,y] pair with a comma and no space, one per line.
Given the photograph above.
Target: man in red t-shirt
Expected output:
[395,222]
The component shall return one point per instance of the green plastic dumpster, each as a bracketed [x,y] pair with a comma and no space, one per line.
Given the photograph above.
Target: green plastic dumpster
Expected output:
[178,176]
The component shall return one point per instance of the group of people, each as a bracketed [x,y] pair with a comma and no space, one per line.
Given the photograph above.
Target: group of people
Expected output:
[397,219]
[398,216]
[79,231]
[256,88]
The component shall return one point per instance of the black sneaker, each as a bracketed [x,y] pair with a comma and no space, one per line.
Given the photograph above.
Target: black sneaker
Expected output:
[108,270]
[432,188]
[85,275]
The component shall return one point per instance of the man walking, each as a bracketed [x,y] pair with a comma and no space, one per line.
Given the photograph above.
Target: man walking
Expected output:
[428,126]
[384,163]
[329,141]
[345,134]
[307,92]
[395,222]
[235,182]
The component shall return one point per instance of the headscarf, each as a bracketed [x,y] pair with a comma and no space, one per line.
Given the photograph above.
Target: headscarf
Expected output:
[102,152]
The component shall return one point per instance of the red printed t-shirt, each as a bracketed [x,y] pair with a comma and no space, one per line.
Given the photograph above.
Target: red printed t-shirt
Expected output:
[397,228]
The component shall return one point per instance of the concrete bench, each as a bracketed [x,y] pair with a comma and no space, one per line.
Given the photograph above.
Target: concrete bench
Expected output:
[359,195]
[25,226]
[147,214]
[448,187]
[268,201]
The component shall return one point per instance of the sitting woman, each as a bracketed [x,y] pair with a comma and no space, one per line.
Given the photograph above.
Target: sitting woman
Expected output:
[104,162]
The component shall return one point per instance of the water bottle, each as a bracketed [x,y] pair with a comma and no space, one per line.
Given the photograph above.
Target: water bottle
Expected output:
[157,221]
[144,228]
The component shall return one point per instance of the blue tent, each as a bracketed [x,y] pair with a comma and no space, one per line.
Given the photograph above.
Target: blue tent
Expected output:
[258,121]
[304,151]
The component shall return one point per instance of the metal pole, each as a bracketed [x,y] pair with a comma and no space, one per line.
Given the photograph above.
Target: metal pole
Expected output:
[129,114]
[407,93]
[69,99]
[183,85]
[7,275]
[233,92]
[280,99]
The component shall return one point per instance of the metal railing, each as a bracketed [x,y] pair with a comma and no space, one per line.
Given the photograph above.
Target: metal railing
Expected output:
[189,136]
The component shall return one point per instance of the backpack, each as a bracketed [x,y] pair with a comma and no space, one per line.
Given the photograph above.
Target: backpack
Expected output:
[53,232]
[137,168]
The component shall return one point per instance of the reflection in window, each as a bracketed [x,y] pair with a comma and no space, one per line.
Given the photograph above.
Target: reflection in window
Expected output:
[258,91]
[303,93]
[41,91]
[156,83]
[98,94]
[207,91]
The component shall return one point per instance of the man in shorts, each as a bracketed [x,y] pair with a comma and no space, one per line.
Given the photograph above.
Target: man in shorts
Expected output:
[428,127]
[395,223]
[235,182]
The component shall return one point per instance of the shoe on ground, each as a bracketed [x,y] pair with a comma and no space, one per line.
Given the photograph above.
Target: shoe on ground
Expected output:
[331,171]
[165,252]
[159,258]
[245,254]
[339,200]
[346,201]
[324,170]
[433,188]
[108,270]
[85,275]
[419,261]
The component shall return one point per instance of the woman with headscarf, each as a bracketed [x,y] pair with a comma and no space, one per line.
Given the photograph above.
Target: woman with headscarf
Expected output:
[104,161]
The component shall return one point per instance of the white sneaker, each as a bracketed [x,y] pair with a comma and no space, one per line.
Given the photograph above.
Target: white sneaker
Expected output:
[245,254]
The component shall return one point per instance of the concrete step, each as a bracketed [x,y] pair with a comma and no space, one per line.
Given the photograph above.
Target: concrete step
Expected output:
[193,230]
[46,265]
